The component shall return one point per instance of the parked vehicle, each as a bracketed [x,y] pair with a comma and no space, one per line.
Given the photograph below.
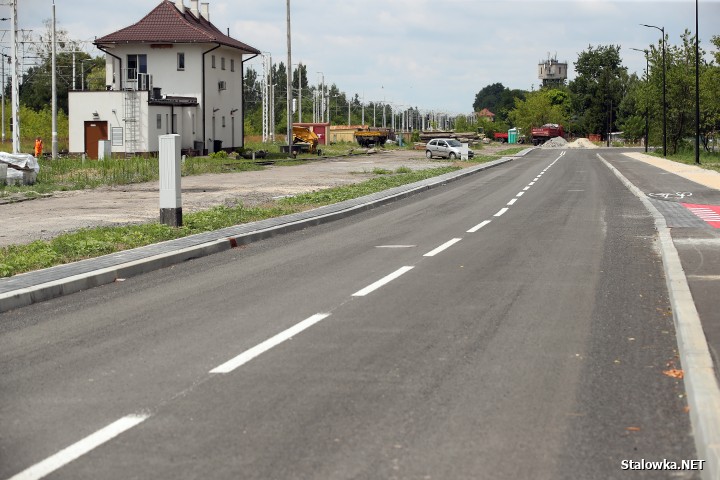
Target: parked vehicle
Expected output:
[445,148]
[542,134]
[501,137]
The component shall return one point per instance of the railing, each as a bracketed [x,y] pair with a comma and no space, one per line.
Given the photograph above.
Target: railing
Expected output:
[137,81]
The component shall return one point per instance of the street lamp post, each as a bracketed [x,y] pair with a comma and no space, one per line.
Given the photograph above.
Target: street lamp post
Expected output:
[647,113]
[697,89]
[662,29]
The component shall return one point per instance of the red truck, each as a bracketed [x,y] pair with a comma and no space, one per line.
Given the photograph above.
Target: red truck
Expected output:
[542,134]
[502,137]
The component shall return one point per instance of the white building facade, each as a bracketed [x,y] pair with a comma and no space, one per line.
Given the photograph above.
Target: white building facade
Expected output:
[172,72]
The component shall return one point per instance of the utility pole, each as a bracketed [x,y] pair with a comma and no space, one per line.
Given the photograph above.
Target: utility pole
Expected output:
[15,83]
[300,92]
[289,94]
[697,89]
[662,30]
[54,91]
[2,61]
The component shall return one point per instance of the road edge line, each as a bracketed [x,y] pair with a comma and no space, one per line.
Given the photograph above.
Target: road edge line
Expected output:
[701,383]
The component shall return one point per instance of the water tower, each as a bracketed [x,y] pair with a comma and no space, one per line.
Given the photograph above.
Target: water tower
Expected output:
[552,72]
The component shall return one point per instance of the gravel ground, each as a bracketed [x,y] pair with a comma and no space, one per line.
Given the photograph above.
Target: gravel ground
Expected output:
[62,212]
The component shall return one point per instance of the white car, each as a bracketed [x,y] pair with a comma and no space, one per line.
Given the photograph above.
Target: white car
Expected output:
[445,148]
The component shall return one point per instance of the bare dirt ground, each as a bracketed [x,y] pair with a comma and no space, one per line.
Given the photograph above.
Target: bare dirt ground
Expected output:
[45,218]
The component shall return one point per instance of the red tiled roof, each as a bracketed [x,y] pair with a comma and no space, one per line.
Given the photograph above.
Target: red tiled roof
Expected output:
[485,113]
[166,24]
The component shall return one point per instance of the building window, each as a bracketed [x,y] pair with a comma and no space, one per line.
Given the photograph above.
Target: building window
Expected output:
[159,121]
[232,64]
[136,65]
[212,61]
[223,121]
[222,63]
[117,136]
[181,61]
[174,123]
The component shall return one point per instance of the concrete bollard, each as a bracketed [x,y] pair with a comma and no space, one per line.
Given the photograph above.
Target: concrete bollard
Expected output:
[170,192]
[465,151]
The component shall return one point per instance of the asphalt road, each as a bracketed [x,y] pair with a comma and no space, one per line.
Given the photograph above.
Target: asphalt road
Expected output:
[415,340]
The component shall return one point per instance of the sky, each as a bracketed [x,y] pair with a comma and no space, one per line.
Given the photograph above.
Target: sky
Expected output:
[430,55]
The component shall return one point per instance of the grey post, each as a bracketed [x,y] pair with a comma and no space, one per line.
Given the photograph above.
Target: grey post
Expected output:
[170,201]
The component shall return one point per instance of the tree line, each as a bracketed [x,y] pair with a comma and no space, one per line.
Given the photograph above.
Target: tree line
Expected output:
[604,97]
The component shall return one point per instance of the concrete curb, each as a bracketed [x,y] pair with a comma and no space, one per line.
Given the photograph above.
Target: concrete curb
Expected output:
[28,288]
[700,381]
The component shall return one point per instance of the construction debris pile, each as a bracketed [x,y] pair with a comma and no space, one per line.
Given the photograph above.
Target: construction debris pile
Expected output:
[556,142]
[559,142]
[581,143]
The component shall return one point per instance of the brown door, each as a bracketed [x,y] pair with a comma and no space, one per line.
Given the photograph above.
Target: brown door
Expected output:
[94,131]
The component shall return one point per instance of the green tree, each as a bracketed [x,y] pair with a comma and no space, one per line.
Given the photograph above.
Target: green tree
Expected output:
[36,88]
[541,107]
[498,99]
[632,109]
[598,88]
[680,93]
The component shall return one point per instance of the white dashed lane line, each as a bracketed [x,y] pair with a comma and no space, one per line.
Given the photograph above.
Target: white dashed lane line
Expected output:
[478,226]
[442,247]
[385,280]
[78,449]
[271,342]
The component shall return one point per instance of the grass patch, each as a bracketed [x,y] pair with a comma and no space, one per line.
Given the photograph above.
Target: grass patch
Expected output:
[338,194]
[708,160]
[74,173]
[94,242]
[480,158]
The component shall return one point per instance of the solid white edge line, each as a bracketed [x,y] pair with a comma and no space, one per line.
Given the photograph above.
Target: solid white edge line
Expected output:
[512,202]
[501,211]
[701,384]
[442,247]
[478,226]
[387,279]
[271,342]
[78,449]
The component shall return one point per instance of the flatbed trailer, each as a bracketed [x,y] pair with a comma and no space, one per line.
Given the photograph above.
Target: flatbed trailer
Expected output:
[371,137]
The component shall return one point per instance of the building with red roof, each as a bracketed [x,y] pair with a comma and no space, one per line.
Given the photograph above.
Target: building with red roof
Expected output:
[171,72]
[485,113]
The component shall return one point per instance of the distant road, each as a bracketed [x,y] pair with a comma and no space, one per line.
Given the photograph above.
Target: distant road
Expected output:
[514,324]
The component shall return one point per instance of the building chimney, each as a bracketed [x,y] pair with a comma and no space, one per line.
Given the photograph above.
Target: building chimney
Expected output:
[180,5]
[205,10]
[194,8]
